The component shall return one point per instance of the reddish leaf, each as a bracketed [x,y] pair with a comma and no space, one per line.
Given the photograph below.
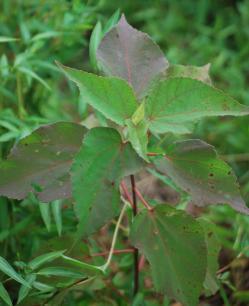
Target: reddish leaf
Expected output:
[40,163]
[132,55]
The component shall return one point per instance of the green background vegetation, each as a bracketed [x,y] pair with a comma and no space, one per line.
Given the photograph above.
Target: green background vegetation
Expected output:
[34,92]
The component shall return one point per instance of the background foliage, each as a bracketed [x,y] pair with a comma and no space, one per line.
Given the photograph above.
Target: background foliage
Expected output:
[32,92]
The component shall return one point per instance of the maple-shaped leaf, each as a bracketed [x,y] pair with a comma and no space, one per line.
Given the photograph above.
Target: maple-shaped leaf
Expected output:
[96,172]
[40,163]
[175,103]
[132,55]
[174,244]
[195,167]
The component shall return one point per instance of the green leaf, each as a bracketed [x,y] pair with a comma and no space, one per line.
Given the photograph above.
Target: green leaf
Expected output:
[4,66]
[46,35]
[24,290]
[137,135]
[193,72]
[45,214]
[81,264]
[195,167]
[56,210]
[60,271]
[94,43]
[113,97]
[4,39]
[131,55]
[40,163]
[43,287]
[4,295]
[6,268]
[102,161]
[112,21]
[34,75]
[139,114]
[175,103]
[213,249]
[44,258]
[174,244]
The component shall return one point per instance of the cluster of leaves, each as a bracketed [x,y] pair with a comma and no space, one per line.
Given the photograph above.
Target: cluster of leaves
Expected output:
[141,97]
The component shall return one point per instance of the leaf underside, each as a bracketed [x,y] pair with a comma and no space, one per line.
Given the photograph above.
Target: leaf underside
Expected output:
[174,244]
[96,172]
[175,103]
[40,163]
[132,55]
[195,167]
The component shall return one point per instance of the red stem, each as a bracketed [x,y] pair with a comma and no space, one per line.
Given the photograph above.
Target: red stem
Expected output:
[153,154]
[141,198]
[114,252]
[141,263]
[126,193]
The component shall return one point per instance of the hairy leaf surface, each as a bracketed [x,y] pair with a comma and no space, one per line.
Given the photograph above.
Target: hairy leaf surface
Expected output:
[176,102]
[113,97]
[174,244]
[40,163]
[132,55]
[195,167]
[98,167]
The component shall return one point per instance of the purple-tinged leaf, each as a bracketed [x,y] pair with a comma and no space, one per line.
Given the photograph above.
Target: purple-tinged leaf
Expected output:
[40,163]
[132,55]
[174,244]
[195,167]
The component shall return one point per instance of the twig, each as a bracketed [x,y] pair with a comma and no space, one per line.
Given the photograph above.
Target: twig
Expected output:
[126,193]
[141,263]
[136,255]
[141,198]
[114,252]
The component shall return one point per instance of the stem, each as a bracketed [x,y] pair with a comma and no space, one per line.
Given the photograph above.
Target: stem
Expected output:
[136,255]
[142,199]
[115,235]
[126,193]
[124,251]
[153,154]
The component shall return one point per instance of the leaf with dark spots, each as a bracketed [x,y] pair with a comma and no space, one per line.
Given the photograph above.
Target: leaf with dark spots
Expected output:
[40,163]
[176,103]
[195,167]
[96,172]
[174,244]
[213,249]
[132,55]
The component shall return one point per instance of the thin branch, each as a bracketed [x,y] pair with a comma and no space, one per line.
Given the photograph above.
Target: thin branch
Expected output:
[115,252]
[126,193]
[141,263]
[143,201]
[136,255]
[153,154]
